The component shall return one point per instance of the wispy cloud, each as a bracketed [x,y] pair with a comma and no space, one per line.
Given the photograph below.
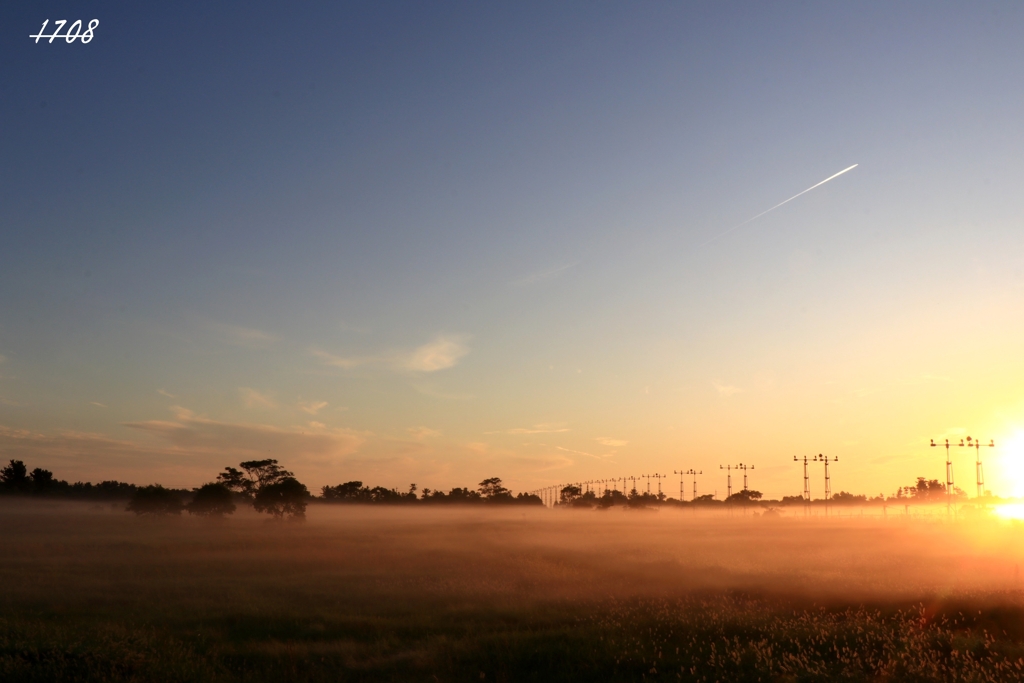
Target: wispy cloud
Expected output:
[543,275]
[589,455]
[344,362]
[613,443]
[441,353]
[444,351]
[242,336]
[543,428]
[312,407]
[97,403]
[420,433]
[225,439]
[256,399]
[726,389]
[163,392]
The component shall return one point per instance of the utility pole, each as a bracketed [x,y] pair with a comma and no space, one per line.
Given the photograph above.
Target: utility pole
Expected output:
[728,478]
[694,473]
[681,475]
[743,467]
[807,481]
[979,475]
[828,482]
[949,475]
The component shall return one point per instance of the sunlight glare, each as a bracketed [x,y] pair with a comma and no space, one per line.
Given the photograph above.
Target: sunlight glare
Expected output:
[1011,465]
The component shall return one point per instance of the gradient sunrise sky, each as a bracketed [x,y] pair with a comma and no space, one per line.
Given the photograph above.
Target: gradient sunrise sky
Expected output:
[436,242]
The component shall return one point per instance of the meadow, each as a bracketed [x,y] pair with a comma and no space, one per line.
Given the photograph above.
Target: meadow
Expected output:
[357,593]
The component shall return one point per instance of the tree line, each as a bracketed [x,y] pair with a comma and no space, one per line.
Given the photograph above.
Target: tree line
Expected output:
[268,488]
[262,484]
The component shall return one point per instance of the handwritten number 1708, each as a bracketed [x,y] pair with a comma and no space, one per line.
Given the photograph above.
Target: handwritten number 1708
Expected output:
[69,37]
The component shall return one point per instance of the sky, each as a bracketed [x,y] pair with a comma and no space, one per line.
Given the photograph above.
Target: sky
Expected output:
[436,242]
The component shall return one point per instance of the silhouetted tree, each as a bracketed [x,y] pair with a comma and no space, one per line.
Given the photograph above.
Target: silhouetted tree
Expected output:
[568,494]
[42,481]
[611,498]
[211,500]
[283,497]
[744,497]
[528,499]
[927,489]
[460,495]
[254,476]
[586,500]
[155,500]
[492,489]
[14,477]
[349,492]
[846,498]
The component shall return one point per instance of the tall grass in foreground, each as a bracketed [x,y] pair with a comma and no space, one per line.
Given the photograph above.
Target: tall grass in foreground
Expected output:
[357,595]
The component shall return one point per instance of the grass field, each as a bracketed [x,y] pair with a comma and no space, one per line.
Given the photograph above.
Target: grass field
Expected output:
[359,593]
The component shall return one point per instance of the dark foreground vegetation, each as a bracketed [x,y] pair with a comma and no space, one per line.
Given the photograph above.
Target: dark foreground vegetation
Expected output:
[500,594]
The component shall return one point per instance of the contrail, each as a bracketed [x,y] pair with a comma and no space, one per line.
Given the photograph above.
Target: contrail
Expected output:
[723,234]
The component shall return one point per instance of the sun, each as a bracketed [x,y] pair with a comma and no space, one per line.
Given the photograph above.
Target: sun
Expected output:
[1008,467]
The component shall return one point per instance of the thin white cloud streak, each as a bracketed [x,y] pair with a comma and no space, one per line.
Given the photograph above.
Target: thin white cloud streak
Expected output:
[543,428]
[312,407]
[589,455]
[256,399]
[750,220]
[97,403]
[166,393]
[420,433]
[543,275]
[443,352]
[726,389]
[612,443]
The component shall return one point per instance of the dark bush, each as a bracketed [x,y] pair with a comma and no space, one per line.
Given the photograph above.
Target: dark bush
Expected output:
[155,500]
[211,500]
[285,497]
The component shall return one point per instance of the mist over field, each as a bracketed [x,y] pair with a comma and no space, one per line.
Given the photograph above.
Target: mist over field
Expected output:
[361,593]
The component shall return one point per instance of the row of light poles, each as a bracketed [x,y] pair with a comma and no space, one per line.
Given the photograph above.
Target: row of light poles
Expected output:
[550,494]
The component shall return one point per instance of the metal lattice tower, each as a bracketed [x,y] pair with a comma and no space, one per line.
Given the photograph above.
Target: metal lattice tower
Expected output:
[828,481]
[743,467]
[728,479]
[694,473]
[978,472]
[949,475]
[681,485]
[807,480]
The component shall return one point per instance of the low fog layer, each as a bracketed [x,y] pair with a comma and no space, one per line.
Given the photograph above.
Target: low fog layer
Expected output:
[511,554]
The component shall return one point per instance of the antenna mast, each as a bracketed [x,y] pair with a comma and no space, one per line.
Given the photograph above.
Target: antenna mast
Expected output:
[949,476]
[978,473]
[828,481]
